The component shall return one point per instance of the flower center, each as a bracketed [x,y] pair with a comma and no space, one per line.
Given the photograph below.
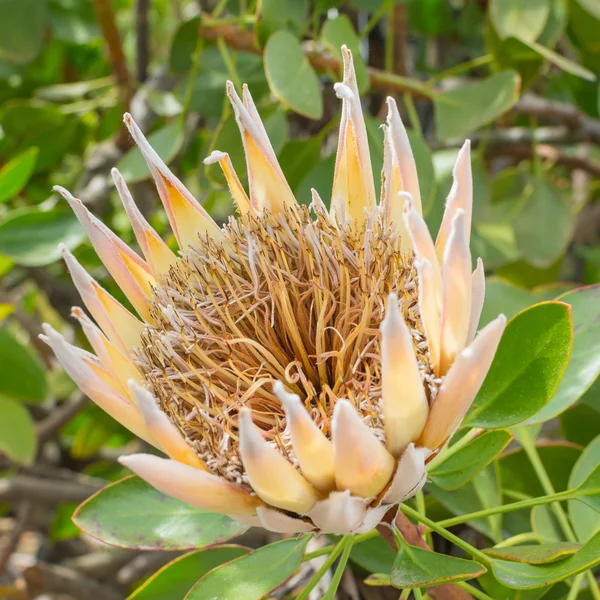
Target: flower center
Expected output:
[296,299]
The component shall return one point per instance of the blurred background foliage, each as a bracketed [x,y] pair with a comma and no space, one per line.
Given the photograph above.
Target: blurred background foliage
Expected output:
[519,78]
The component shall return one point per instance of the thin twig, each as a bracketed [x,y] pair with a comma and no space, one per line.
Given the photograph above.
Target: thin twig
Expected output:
[21,520]
[59,417]
[106,18]
[142,30]
[46,491]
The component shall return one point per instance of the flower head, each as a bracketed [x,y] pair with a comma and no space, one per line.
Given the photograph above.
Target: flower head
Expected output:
[298,366]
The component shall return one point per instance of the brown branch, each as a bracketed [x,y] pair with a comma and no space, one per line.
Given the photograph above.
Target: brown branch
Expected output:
[525,151]
[20,523]
[59,417]
[413,534]
[54,579]
[243,39]
[561,112]
[106,18]
[142,57]
[46,491]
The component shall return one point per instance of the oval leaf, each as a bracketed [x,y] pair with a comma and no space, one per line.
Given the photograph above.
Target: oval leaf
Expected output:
[415,567]
[522,576]
[175,579]
[30,236]
[291,77]
[462,110]
[584,366]
[21,375]
[253,576]
[18,439]
[15,174]
[519,19]
[132,514]
[460,467]
[535,554]
[585,515]
[528,366]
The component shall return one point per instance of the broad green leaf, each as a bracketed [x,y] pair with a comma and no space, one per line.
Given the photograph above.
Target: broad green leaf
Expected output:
[535,554]
[415,567]
[22,377]
[589,490]
[545,225]
[15,174]
[580,423]
[516,18]
[460,111]
[496,590]
[523,576]
[584,365]
[374,555]
[337,32]
[18,439]
[558,459]
[132,514]
[460,467]
[425,172]
[462,501]
[30,236]
[62,92]
[291,77]
[297,157]
[176,578]
[585,518]
[584,21]
[275,15]
[528,366]
[22,29]
[253,576]
[166,141]
[503,297]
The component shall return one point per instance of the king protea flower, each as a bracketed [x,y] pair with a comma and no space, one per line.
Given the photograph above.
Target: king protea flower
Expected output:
[298,366]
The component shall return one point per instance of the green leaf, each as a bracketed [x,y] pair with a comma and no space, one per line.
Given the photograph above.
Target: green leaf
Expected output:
[584,366]
[297,157]
[253,576]
[585,512]
[463,501]
[18,439]
[176,578]
[30,236]
[415,567]
[525,20]
[166,141]
[22,377]
[459,468]
[22,29]
[556,59]
[545,225]
[528,366]
[535,554]
[274,15]
[503,297]
[339,31]
[460,111]
[15,174]
[374,555]
[584,21]
[291,77]
[558,459]
[132,514]
[523,576]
